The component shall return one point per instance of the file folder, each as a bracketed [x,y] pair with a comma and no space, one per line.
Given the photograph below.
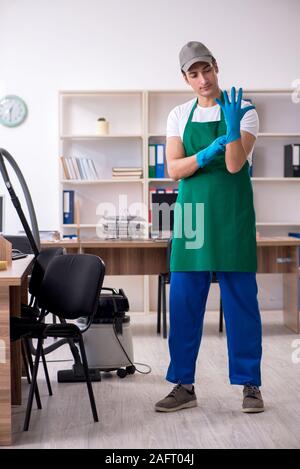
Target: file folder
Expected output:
[152,157]
[292,160]
[68,207]
[160,167]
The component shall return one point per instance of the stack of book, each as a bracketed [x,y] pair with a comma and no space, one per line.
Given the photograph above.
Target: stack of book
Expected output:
[79,169]
[127,172]
[123,227]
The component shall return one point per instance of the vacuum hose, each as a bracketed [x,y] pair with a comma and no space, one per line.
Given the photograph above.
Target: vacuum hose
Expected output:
[32,234]
[14,198]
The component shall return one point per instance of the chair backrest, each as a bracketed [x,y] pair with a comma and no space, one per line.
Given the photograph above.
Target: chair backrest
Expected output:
[39,268]
[71,285]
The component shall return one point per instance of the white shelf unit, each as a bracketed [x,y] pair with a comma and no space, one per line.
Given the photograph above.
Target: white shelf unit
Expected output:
[79,111]
[97,137]
[100,181]
[124,146]
[137,118]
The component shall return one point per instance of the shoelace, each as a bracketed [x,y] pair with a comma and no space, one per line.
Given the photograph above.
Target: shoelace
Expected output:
[251,390]
[174,390]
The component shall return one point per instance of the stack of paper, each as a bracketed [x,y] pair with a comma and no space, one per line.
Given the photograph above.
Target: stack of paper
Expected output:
[120,227]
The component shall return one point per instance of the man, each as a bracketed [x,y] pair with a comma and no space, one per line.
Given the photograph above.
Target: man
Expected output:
[209,148]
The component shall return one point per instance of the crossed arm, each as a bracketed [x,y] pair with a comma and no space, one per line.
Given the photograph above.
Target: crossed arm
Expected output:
[181,166]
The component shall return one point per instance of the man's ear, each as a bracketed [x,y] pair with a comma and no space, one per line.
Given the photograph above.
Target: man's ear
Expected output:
[216,67]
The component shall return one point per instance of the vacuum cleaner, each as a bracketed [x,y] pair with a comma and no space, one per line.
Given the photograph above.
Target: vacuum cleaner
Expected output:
[108,340]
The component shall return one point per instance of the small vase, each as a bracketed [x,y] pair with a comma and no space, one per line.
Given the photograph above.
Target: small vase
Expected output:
[103,127]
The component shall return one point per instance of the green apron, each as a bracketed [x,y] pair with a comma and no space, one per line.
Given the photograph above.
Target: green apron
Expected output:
[214,217]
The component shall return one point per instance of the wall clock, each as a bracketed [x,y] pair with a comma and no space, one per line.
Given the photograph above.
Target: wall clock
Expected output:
[13,110]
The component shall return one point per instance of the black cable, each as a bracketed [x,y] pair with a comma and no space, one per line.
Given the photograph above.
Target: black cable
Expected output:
[133,364]
[124,351]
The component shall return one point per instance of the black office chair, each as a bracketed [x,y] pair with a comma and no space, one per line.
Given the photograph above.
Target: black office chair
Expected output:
[40,265]
[31,313]
[163,280]
[70,289]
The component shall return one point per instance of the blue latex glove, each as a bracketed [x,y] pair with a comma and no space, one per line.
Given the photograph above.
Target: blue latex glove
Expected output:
[233,114]
[207,154]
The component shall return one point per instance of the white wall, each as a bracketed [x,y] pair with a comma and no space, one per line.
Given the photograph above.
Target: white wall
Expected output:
[48,45]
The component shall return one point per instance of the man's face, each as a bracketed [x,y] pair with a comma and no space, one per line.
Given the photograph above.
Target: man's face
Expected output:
[202,77]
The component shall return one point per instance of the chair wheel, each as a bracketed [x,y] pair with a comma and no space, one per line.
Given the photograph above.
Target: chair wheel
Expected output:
[130,369]
[121,373]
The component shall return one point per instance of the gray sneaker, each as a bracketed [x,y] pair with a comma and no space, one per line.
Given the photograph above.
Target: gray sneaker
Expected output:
[179,398]
[253,401]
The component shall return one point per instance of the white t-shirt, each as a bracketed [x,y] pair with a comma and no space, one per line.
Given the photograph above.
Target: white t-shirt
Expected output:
[178,118]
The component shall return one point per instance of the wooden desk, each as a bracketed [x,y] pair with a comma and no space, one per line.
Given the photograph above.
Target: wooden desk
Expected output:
[277,254]
[13,291]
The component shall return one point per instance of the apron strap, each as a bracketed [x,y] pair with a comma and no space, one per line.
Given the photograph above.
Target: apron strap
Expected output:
[195,105]
[192,111]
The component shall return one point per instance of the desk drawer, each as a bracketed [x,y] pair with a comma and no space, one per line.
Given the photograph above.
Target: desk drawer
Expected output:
[132,261]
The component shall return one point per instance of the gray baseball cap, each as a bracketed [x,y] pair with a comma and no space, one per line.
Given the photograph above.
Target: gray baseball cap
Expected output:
[194,52]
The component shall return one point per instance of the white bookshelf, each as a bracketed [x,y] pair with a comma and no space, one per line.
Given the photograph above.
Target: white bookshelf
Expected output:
[278,134]
[97,137]
[100,181]
[266,179]
[137,118]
